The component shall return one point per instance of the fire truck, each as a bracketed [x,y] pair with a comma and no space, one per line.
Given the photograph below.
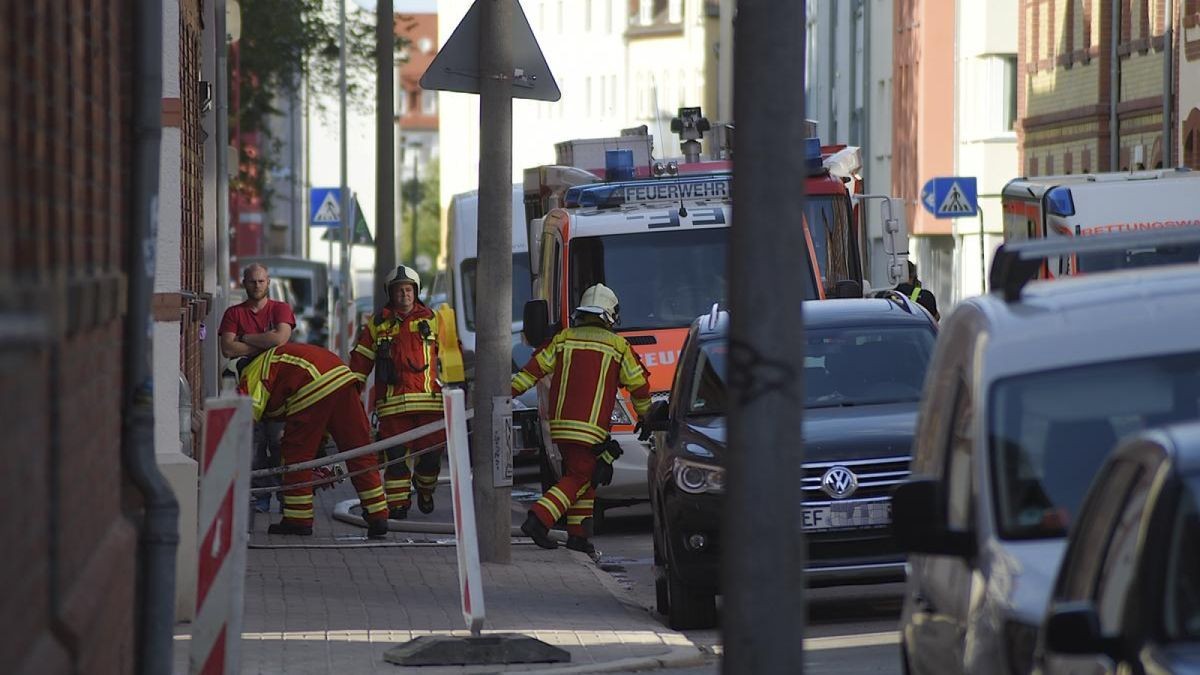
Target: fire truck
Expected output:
[1097,204]
[656,232]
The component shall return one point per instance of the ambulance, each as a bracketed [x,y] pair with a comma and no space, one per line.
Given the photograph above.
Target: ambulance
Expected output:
[1090,205]
[657,233]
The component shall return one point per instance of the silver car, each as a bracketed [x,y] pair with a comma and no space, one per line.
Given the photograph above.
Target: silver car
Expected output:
[1029,390]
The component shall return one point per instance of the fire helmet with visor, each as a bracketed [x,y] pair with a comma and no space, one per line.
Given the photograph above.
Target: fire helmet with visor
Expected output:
[601,301]
[402,275]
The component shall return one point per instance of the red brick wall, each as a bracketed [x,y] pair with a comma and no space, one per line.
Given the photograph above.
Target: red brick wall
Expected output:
[192,187]
[65,106]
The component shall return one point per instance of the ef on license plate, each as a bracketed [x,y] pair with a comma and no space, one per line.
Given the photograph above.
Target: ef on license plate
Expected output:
[847,516]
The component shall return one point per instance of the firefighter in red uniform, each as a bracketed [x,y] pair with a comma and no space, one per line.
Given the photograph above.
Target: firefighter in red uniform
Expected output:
[314,393]
[401,344]
[586,364]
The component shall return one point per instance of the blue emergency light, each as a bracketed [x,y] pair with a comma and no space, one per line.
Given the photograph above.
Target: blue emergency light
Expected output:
[1060,202]
[618,164]
[717,187]
[812,156]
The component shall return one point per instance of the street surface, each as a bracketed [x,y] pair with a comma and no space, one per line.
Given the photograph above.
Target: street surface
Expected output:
[851,630]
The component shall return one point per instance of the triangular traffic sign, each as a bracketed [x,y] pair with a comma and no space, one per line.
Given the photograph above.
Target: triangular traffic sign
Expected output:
[457,68]
[955,201]
[329,212]
[362,234]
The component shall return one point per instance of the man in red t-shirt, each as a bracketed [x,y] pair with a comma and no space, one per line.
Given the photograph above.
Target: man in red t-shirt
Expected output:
[247,330]
[259,323]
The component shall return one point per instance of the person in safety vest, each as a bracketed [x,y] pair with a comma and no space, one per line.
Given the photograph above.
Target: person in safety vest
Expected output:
[912,288]
[586,364]
[401,344]
[313,392]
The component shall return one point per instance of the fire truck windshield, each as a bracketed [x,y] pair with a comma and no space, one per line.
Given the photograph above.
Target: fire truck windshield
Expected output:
[833,241]
[663,279]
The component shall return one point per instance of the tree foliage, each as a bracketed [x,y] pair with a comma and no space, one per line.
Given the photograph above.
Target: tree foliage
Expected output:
[282,43]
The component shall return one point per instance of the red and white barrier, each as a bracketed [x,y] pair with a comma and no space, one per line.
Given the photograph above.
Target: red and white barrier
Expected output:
[223,512]
[470,576]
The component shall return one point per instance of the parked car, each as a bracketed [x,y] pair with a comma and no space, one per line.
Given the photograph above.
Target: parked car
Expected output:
[1030,388]
[865,361]
[1127,598]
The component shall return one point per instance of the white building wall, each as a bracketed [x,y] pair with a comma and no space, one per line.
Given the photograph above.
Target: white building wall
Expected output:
[178,468]
[986,141]
[583,43]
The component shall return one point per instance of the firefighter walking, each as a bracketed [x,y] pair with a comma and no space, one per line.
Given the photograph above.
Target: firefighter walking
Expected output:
[401,344]
[313,392]
[586,364]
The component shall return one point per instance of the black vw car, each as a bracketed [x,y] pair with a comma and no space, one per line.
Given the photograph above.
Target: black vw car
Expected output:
[865,363]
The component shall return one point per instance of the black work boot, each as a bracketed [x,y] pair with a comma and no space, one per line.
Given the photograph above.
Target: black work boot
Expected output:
[284,527]
[377,529]
[425,502]
[539,533]
[398,513]
[577,543]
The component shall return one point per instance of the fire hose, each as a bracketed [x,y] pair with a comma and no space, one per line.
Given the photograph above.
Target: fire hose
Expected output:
[382,444]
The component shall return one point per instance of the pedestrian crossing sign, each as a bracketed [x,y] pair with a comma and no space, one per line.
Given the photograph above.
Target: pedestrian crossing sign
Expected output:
[326,206]
[951,197]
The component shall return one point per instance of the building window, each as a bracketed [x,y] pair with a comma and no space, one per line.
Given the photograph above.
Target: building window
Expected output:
[425,45]
[675,11]
[429,102]
[587,94]
[1010,92]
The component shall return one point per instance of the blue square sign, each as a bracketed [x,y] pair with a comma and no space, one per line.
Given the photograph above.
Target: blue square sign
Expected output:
[325,206]
[951,197]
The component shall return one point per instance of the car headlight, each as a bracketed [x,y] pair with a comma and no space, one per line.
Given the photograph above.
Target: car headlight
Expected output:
[1020,641]
[619,414]
[696,478]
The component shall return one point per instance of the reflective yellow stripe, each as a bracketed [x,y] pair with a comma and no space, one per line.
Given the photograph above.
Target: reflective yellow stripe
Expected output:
[576,520]
[298,362]
[582,489]
[916,293]
[411,403]
[562,385]
[641,405]
[398,484]
[559,495]
[429,366]
[298,513]
[522,381]
[547,356]
[598,397]
[584,504]
[319,389]
[549,505]
[360,377]
[376,507]
[297,499]
[371,494]
[365,351]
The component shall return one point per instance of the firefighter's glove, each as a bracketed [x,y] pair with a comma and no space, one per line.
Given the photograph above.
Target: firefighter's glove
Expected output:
[607,453]
[642,431]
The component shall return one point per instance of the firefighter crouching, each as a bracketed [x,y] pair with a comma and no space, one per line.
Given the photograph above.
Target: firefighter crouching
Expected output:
[313,392]
[401,344]
[586,364]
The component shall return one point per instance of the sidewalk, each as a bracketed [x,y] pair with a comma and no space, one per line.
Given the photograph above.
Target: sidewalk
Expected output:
[334,603]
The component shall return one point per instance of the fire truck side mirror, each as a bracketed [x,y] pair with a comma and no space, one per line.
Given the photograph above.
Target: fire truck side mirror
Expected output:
[536,322]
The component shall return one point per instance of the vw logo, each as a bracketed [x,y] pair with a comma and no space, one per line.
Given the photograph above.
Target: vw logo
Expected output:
[839,482]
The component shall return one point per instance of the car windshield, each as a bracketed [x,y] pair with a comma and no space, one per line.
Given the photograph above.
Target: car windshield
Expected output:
[857,365]
[865,365]
[520,287]
[1049,432]
[1141,257]
[1181,598]
[663,279]
[828,218]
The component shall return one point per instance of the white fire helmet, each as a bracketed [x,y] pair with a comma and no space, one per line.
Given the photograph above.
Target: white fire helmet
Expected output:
[402,275]
[601,301]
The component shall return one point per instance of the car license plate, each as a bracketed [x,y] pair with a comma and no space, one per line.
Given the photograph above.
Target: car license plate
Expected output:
[847,516]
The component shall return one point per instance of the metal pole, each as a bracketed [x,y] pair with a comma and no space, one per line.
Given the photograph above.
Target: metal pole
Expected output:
[762,563]
[982,263]
[385,132]
[725,62]
[413,202]
[1168,139]
[1114,87]
[344,192]
[493,307]
[221,161]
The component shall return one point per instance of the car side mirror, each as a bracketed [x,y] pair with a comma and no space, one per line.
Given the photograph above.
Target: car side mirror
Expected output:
[536,322]
[658,417]
[919,521]
[1074,628]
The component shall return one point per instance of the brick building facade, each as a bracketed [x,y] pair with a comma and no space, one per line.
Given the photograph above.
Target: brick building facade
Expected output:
[66,105]
[1066,79]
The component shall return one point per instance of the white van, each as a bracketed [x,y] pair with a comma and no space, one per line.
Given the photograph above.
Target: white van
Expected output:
[463,261]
